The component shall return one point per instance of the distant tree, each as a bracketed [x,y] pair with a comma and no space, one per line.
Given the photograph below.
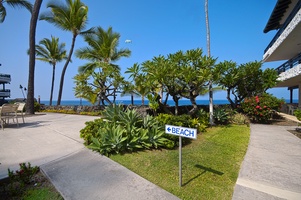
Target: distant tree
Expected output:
[180,75]
[70,17]
[138,86]
[14,4]
[51,51]
[83,90]
[245,80]
[32,57]
[102,52]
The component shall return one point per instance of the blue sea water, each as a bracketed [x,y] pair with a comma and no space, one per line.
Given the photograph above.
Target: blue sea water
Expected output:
[139,102]
[136,102]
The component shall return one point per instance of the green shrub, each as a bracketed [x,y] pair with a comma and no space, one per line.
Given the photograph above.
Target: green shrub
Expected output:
[297,113]
[37,107]
[93,113]
[122,131]
[239,118]
[260,108]
[203,120]
[25,173]
[221,116]
[91,130]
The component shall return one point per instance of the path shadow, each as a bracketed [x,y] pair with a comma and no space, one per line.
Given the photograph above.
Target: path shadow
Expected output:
[13,125]
[205,169]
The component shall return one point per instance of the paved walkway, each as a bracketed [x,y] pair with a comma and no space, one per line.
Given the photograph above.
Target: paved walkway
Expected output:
[52,142]
[271,168]
[272,165]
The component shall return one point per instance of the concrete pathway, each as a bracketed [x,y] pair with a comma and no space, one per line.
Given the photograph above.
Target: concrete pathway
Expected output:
[52,142]
[272,165]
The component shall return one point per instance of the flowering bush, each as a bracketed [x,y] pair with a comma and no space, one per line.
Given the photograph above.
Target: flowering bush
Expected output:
[25,173]
[260,108]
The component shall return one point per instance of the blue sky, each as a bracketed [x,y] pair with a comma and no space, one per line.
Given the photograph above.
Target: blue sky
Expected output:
[155,27]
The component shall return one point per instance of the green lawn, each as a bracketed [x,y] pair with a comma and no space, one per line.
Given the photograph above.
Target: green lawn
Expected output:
[210,164]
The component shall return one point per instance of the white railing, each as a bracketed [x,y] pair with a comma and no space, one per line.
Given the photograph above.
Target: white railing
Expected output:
[291,26]
[5,78]
[5,93]
[295,71]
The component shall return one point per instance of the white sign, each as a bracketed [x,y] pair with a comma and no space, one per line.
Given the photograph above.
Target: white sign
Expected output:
[181,131]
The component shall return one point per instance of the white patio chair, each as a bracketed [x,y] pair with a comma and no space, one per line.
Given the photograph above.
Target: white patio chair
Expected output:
[8,111]
[20,110]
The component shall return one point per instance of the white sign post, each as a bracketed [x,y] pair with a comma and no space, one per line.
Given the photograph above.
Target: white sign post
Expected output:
[181,132]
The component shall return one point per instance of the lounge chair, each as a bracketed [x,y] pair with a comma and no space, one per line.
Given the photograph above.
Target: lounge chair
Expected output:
[8,111]
[20,110]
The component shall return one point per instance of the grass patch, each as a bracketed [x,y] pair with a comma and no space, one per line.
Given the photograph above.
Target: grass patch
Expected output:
[210,164]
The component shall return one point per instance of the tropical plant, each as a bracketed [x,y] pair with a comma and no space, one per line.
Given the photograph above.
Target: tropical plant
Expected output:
[102,52]
[70,17]
[245,80]
[180,75]
[138,85]
[14,4]
[124,131]
[24,174]
[297,113]
[239,118]
[260,108]
[32,57]
[221,116]
[51,51]
[91,130]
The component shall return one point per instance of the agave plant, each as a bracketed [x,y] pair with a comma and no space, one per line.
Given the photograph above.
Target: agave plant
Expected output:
[149,122]
[130,119]
[156,139]
[111,140]
[113,113]
[221,116]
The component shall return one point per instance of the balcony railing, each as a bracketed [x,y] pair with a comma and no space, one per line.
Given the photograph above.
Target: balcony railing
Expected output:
[289,64]
[5,93]
[5,78]
[286,23]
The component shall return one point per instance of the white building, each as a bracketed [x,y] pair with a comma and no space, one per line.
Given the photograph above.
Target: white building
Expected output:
[286,45]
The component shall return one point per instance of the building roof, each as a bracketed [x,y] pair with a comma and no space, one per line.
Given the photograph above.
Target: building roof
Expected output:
[281,11]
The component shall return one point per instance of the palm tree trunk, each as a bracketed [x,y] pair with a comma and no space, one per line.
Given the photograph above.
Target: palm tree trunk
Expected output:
[64,70]
[32,56]
[211,121]
[52,84]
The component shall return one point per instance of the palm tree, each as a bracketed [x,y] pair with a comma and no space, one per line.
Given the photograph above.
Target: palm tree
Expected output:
[32,56]
[70,17]
[208,54]
[14,4]
[102,52]
[51,51]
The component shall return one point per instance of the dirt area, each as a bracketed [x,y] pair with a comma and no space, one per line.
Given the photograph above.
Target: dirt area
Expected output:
[279,121]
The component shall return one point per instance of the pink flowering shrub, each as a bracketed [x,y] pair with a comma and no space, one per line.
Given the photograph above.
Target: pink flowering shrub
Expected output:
[260,108]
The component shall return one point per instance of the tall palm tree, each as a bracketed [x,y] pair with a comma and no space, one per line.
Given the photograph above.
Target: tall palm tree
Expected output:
[211,120]
[102,52]
[32,56]
[70,17]
[14,4]
[51,51]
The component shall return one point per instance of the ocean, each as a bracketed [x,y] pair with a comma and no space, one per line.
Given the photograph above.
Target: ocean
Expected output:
[136,102]
[139,102]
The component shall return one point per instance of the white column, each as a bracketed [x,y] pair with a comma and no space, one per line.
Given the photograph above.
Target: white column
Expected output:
[299,96]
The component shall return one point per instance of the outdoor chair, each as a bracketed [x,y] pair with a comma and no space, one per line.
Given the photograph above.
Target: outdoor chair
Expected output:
[20,110]
[8,111]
